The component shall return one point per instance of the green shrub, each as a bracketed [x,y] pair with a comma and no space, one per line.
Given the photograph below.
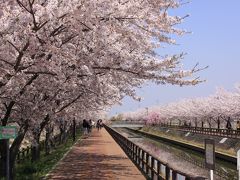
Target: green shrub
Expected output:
[29,168]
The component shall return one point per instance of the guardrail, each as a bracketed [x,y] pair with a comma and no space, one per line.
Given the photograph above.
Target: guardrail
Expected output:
[207,131]
[25,153]
[151,166]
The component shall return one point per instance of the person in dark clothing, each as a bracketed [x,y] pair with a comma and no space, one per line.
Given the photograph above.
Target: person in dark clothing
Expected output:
[90,126]
[228,125]
[238,127]
[99,124]
[85,126]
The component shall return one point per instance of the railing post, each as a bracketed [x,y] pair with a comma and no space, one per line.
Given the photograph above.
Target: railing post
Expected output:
[158,169]
[132,146]
[135,152]
[129,148]
[167,173]
[143,160]
[174,175]
[152,167]
[147,163]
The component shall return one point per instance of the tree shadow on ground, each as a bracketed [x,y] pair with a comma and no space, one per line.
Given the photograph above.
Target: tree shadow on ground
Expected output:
[92,165]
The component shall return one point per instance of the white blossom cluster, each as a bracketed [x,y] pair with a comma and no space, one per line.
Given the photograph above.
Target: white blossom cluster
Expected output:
[217,108]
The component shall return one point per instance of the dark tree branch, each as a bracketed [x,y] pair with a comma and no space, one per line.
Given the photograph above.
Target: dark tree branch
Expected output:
[11,64]
[88,28]
[17,49]
[30,81]
[40,72]
[58,30]
[19,58]
[70,103]
[23,6]
[68,39]
[117,69]
[44,123]
[7,114]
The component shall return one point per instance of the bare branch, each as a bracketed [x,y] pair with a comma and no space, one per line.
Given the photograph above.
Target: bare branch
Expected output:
[17,49]
[11,64]
[22,5]
[70,103]
[19,58]
[40,72]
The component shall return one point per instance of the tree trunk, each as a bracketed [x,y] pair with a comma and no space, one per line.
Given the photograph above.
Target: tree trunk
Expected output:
[48,141]
[36,147]
[14,149]
[35,152]
[3,142]
[3,160]
[74,130]
[218,123]
[210,125]
[63,132]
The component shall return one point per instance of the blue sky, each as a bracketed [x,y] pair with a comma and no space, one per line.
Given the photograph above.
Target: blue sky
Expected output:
[215,41]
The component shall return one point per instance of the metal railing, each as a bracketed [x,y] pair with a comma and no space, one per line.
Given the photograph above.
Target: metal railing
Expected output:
[230,133]
[151,166]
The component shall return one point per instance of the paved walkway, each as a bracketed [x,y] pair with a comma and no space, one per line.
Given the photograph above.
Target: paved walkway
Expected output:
[96,157]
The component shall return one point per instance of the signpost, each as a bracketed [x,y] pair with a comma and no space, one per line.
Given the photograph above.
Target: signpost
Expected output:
[210,156]
[238,163]
[8,132]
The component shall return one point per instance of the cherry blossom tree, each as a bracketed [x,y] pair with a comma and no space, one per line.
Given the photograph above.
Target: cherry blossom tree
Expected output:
[61,57]
[212,111]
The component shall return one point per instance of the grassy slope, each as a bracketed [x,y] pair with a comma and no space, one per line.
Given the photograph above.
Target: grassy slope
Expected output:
[37,170]
[199,143]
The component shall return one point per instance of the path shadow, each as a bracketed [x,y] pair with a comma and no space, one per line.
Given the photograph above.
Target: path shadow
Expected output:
[94,165]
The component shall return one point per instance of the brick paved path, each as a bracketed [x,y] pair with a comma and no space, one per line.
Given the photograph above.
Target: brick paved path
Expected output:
[96,157]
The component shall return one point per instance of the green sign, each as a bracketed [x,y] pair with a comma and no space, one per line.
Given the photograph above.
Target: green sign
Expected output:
[8,132]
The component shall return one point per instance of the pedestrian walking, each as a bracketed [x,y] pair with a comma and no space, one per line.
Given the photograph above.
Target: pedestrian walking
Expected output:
[85,126]
[90,126]
[99,124]
[228,125]
[238,127]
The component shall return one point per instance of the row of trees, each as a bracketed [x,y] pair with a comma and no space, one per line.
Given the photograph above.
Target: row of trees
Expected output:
[212,111]
[64,60]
